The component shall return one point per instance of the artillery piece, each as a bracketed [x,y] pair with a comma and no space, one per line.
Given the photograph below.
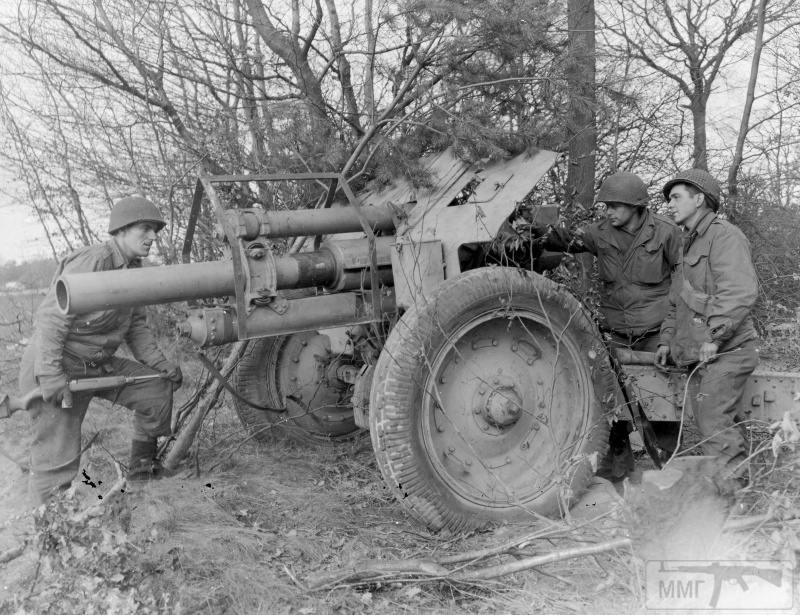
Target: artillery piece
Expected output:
[487,390]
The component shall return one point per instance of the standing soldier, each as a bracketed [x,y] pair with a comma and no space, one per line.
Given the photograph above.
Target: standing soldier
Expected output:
[636,252]
[708,327]
[64,347]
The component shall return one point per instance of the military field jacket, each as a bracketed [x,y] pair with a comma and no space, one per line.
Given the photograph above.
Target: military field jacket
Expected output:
[95,336]
[713,291]
[634,281]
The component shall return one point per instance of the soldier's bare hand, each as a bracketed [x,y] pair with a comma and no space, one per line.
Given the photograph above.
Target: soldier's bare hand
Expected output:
[708,352]
[53,388]
[173,372]
[662,356]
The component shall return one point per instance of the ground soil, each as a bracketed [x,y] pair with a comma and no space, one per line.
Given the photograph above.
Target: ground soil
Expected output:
[245,527]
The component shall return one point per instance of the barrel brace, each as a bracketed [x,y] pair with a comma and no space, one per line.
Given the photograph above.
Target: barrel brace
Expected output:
[260,275]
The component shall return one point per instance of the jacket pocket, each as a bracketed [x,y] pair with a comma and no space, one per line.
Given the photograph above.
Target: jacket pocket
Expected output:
[695,268]
[696,300]
[649,266]
[608,261]
[95,322]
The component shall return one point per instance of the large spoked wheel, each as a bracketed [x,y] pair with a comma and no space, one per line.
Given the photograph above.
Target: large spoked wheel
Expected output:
[488,401]
[296,375]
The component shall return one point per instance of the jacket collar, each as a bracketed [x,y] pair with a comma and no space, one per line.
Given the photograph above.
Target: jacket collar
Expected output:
[118,261]
[647,229]
[703,223]
[641,234]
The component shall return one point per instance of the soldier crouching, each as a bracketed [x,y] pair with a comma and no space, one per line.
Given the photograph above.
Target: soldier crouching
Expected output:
[66,347]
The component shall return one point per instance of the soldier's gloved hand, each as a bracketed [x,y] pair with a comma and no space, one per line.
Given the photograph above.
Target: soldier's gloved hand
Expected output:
[662,356]
[173,372]
[53,388]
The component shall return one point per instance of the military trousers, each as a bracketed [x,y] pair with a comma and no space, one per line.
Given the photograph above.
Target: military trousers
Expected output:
[715,391]
[56,445]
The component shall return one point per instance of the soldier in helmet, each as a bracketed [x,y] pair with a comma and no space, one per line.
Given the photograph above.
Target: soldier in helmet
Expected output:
[708,327]
[636,251]
[64,347]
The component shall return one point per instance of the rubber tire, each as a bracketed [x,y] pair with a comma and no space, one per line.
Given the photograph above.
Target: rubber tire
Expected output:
[402,374]
[256,379]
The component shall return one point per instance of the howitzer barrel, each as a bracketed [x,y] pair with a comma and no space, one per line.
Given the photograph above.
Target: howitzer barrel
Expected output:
[338,265]
[80,293]
[252,223]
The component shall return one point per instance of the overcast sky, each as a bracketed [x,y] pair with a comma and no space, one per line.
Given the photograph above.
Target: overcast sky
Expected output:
[21,238]
[21,235]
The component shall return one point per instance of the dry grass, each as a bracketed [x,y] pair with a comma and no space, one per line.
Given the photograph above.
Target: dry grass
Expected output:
[245,537]
[245,533]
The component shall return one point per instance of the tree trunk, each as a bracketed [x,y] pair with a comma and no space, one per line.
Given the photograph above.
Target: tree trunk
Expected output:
[738,154]
[700,151]
[296,59]
[581,124]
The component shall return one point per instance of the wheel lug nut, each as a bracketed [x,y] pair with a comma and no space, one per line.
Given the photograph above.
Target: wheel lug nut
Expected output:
[451,449]
[524,445]
[477,411]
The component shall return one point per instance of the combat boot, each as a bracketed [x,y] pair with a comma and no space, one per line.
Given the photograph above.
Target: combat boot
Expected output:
[143,464]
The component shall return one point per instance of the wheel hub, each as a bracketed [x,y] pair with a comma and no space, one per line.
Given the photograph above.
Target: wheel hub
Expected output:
[503,406]
[314,396]
[492,431]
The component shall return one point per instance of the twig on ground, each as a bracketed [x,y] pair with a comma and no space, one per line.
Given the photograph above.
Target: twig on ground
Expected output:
[744,523]
[506,547]
[421,570]
[294,578]
[492,572]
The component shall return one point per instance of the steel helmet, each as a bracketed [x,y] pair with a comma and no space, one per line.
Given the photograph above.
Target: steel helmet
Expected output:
[623,187]
[133,209]
[702,180]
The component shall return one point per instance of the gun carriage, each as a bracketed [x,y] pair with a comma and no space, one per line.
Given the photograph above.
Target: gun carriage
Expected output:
[487,390]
